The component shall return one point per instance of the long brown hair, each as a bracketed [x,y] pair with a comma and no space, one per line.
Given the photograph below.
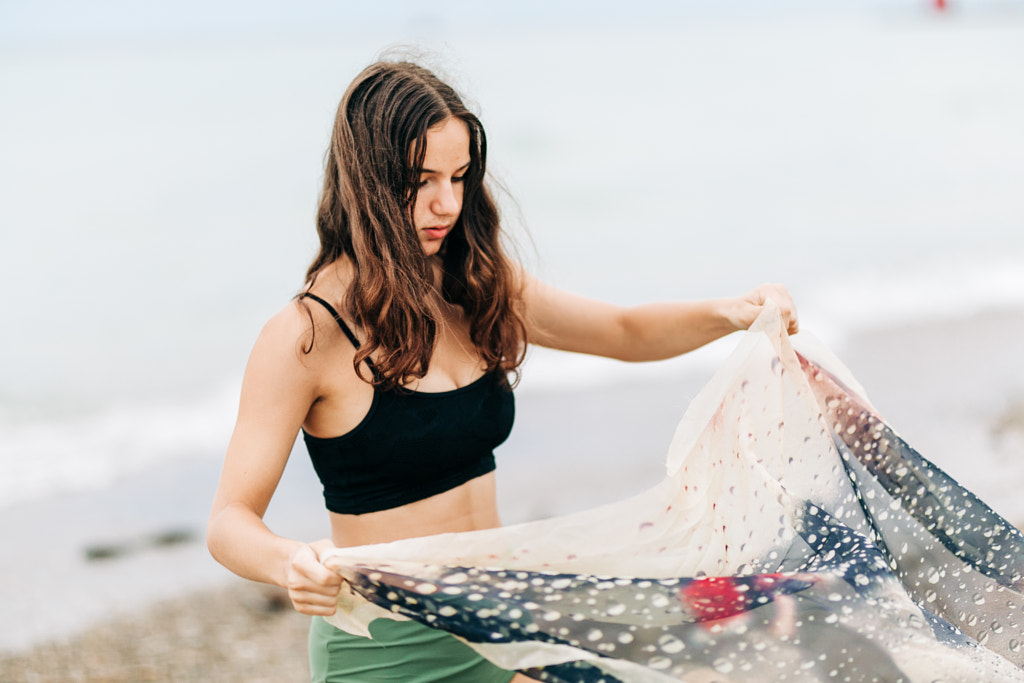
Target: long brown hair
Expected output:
[365,212]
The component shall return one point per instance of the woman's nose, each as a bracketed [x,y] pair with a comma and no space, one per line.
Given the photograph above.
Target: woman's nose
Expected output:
[446,201]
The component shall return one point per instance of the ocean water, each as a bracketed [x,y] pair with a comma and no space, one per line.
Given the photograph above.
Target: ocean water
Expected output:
[159,177]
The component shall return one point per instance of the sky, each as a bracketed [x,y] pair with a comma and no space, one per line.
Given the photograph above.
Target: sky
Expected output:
[24,23]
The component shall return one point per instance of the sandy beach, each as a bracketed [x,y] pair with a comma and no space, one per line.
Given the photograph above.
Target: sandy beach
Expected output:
[126,591]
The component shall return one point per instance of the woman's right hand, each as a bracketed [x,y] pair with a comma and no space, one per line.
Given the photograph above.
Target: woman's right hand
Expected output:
[312,587]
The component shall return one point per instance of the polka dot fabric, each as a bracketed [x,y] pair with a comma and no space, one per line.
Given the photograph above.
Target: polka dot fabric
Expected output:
[795,537]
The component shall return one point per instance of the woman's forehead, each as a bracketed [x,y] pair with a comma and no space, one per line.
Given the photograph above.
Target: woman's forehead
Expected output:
[447,146]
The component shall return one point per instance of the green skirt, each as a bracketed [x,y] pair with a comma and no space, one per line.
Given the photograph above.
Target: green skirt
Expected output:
[399,651]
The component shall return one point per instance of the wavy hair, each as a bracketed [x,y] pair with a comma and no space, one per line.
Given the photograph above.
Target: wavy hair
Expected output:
[365,213]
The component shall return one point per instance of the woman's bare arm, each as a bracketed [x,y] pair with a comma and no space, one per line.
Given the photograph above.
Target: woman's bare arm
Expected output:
[279,386]
[569,322]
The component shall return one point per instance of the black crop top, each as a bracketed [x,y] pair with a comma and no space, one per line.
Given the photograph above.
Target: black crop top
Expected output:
[411,445]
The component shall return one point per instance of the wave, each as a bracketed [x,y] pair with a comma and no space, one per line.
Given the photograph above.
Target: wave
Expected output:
[40,458]
[941,288]
[43,458]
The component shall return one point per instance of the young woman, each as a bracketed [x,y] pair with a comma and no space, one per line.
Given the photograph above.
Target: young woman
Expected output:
[395,362]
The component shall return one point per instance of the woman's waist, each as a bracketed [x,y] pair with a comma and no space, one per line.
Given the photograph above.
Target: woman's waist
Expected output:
[470,506]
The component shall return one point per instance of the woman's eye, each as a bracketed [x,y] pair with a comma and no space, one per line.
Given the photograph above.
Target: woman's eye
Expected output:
[459,179]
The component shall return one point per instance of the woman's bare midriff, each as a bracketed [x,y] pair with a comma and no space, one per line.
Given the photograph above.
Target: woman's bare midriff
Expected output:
[468,507]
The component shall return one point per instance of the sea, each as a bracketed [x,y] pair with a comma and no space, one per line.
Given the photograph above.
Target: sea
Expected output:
[160,165]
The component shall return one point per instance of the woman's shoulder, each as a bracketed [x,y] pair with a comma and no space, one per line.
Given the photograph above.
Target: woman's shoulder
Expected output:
[321,297]
[290,323]
[304,327]
[332,282]
[293,350]
[288,335]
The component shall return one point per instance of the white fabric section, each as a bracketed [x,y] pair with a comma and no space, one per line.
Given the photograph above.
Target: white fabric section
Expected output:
[753,480]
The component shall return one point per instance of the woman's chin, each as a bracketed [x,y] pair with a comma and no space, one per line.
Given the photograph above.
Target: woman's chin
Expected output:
[431,247]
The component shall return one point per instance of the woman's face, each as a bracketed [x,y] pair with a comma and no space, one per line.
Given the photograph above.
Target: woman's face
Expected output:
[439,196]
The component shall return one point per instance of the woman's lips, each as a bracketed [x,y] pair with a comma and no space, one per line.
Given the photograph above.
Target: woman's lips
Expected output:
[436,233]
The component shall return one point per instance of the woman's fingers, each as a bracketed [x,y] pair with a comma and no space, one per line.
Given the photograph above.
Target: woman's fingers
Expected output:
[782,298]
[312,587]
[313,603]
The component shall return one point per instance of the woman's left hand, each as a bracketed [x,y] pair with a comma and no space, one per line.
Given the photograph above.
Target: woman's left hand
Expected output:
[750,305]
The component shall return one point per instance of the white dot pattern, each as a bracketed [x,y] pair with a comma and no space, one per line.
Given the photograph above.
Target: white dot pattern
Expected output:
[797,537]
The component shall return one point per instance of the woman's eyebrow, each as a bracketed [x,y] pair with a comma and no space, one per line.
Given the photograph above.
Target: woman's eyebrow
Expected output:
[460,168]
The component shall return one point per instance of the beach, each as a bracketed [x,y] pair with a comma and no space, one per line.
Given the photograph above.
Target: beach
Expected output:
[952,388]
[160,177]
[239,632]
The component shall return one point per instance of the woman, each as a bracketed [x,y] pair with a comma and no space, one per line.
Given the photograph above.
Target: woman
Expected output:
[394,362]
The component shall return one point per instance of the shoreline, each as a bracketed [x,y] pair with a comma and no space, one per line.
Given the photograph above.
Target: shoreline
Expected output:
[953,388]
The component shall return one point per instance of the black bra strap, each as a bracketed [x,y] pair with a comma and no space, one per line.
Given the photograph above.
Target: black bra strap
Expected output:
[344,328]
[337,318]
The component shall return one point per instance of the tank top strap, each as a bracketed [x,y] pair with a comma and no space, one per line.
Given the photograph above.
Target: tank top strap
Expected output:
[337,318]
[341,323]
